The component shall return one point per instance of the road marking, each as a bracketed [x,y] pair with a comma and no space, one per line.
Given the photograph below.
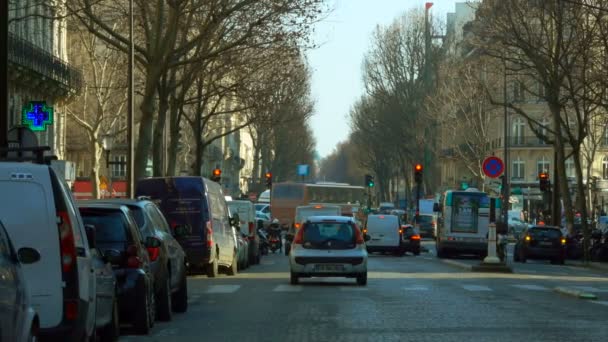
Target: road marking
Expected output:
[589,289]
[267,262]
[353,288]
[415,288]
[287,288]
[601,302]
[476,288]
[528,271]
[193,298]
[222,288]
[531,287]
[428,258]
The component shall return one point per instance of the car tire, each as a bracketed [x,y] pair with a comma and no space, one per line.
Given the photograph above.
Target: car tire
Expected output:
[294,279]
[522,257]
[180,298]
[417,251]
[111,332]
[233,269]
[362,279]
[441,254]
[213,267]
[141,321]
[164,312]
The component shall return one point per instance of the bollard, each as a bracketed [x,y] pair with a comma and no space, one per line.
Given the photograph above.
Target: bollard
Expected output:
[492,258]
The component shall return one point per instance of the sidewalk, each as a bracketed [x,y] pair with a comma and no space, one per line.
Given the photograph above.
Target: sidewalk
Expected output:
[600,266]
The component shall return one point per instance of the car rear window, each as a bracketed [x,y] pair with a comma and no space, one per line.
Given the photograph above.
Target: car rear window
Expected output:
[328,234]
[109,225]
[425,219]
[138,215]
[545,233]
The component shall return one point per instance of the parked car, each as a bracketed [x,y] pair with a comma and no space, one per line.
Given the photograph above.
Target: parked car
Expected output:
[107,321]
[385,234]
[328,246]
[167,261]
[247,217]
[541,242]
[38,211]
[19,322]
[117,235]
[410,239]
[198,204]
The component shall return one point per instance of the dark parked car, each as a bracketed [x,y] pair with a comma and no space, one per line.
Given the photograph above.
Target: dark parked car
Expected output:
[427,225]
[167,260]
[410,239]
[18,320]
[541,242]
[117,235]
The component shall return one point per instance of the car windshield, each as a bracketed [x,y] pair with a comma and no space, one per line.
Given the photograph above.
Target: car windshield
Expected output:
[109,225]
[328,235]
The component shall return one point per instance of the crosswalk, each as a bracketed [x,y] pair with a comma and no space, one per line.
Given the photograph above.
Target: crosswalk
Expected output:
[469,287]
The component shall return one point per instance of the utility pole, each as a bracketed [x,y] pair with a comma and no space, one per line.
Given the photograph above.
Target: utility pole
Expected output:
[506,184]
[130,121]
[4,74]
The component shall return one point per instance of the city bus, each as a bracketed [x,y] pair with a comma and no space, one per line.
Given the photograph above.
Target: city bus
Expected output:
[464,217]
[285,197]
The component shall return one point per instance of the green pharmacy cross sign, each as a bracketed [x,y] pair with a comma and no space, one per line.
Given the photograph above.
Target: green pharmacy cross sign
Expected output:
[36,115]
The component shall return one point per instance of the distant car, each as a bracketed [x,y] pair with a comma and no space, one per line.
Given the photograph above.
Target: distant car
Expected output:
[410,239]
[167,259]
[385,234]
[427,225]
[117,235]
[19,322]
[541,242]
[328,246]
[303,212]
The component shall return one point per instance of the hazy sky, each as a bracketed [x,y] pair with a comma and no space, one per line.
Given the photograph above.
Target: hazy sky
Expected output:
[344,38]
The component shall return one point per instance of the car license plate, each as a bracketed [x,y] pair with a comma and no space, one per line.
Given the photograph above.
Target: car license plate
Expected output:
[545,243]
[329,268]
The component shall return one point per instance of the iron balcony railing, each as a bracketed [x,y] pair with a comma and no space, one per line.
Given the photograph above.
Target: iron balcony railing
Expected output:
[30,56]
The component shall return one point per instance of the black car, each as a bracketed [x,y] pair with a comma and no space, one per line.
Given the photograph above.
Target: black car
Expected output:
[167,259]
[541,242]
[410,239]
[117,235]
[426,225]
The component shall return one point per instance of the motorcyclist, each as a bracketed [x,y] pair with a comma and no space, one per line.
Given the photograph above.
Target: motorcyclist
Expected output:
[275,230]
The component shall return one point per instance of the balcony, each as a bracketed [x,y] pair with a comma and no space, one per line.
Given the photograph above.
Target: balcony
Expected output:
[40,70]
[527,141]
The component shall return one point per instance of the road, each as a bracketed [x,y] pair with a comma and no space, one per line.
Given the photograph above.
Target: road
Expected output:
[407,299]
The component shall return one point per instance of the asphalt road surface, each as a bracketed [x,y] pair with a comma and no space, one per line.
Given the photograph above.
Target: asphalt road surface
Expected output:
[407,298]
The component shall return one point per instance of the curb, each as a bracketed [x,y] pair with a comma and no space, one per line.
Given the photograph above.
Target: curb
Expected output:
[458,264]
[575,293]
[590,266]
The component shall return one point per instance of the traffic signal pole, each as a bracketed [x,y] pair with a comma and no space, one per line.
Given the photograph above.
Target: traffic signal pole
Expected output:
[4,74]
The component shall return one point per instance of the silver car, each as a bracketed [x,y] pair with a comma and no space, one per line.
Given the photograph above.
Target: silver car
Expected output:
[328,246]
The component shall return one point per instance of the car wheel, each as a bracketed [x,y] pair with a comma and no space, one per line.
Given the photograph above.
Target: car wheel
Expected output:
[164,301]
[141,321]
[180,298]
[441,253]
[233,269]
[111,332]
[213,268]
[294,279]
[417,251]
[362,279]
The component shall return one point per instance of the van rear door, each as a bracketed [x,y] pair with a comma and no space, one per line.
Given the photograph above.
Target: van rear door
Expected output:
[27,212]
[383,230]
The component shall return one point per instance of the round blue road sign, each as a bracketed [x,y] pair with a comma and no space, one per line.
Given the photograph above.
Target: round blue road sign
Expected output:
[493,167]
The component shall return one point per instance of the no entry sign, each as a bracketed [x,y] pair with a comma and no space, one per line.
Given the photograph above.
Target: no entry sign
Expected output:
[493,167]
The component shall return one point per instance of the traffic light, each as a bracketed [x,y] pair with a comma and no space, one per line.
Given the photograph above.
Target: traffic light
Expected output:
[268,176]
[418,173]
[369,181]
[216,175]
[544,182]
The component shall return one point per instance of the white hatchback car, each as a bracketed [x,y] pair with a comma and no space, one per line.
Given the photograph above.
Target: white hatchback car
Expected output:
[328,246]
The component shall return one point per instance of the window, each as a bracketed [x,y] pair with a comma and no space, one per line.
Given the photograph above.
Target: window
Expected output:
[605,137]
[605,168]
[517,134]
[518,170]
[570,168]
[542,165]
[119,168]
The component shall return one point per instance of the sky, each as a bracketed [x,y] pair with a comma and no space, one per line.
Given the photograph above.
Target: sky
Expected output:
[344,38]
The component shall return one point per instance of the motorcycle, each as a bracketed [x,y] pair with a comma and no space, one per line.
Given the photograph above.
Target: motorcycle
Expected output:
[264,242]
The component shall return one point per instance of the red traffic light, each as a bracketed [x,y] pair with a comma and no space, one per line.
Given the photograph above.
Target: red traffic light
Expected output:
[418,167]
[543,175]
[217,172]
[268,175]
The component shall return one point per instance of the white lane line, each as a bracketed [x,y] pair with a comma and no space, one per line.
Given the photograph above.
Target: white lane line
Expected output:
[589,289]
[428,258]
[601,302]
[267,262]
[528,271]
[287,288]
[223,288]
[531,287]
[415,288]
[476,288]
[353,288]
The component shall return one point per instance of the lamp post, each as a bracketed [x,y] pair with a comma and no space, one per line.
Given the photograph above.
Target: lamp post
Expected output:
[107,143]
[130,96]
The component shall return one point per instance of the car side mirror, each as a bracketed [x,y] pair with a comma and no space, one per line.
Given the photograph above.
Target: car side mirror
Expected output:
[181,231]
[90,232]
[367,238]
[27,255]
[112,256]
[152,242]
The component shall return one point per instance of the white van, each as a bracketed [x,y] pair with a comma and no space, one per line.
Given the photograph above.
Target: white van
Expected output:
[384,232]
[38,211]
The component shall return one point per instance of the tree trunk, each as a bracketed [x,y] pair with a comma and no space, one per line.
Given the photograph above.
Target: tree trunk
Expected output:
[158,146]
[97,153]
[174,132]
[198,131]
[581,195]
[142,151]
[561,169]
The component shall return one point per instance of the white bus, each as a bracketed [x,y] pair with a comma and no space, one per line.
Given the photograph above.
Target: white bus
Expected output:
[463,223]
